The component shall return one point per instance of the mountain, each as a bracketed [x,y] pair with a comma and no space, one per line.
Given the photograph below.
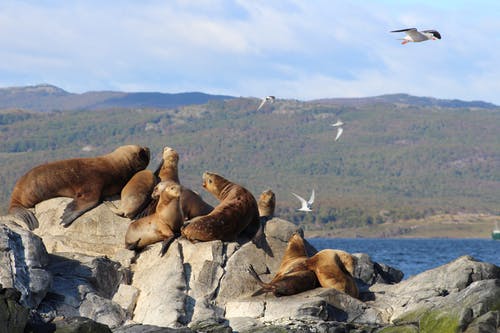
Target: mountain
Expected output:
[400,156]
[45,97]
[408,100]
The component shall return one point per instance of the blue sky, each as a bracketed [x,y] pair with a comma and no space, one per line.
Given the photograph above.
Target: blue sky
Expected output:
[290,49]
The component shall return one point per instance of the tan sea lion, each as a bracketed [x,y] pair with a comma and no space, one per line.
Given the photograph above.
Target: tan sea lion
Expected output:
[293,275]
[86,180]
[164,225]
[136,194]
[192,203]
[236,212]
[267,204]
[334,269]
[168,169]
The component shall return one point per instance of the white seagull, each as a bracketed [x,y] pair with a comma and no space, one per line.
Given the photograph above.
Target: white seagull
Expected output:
[306,205]
[269,99]
[412,35]
[338,124]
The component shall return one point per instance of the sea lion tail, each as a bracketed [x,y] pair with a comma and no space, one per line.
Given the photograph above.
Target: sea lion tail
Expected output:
[26,216]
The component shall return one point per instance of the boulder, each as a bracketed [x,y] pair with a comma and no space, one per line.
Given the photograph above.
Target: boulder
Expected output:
[13,316]
[98,232]
[23,259]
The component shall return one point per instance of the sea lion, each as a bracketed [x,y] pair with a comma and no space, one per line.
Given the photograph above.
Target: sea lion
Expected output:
[86,180]
[163,225]
[334,269]
[267,204]
[236,212]
[192,203]
[136,194]
[293,275]
[168,169]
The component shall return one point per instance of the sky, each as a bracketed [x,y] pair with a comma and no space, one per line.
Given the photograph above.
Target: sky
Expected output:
[290,49]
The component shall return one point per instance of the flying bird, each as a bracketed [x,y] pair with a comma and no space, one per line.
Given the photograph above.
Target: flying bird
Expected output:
[269,99]
[306,205]
[412,35]
[340,130]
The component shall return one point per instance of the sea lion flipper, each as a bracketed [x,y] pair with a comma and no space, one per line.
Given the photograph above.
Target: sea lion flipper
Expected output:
[114,209]
[165,244]
[71,213]
[265,287]
[26,216]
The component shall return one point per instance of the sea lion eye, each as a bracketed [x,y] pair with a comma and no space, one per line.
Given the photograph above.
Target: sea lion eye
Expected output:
[210,181]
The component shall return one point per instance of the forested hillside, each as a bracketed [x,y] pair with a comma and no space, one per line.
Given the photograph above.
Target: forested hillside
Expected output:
[394,160]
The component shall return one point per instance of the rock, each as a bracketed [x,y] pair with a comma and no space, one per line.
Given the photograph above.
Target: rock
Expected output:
[13,316]
[162,284]
[79,324]
[206,287]
[138,328]
[98,232]
[488,322]
[368,272]
[23,259]
[83,286]
[126,296]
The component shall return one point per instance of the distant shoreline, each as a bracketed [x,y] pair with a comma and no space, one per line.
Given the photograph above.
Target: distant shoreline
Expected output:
[439,226]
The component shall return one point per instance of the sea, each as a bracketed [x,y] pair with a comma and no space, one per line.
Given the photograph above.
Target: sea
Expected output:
[414,255]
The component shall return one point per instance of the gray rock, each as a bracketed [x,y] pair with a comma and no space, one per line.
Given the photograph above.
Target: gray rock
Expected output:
[488,322]
[102,310]
[98,232]
[83,286]
[138,328]
[368,272]
[79,324]
[161,282]
[206,287]
[23,259]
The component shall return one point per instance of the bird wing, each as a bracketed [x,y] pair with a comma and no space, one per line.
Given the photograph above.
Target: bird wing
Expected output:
[302,201]
[413,33]
[339,133]
[262,103]
[338,123]
[311,199]
[404,30]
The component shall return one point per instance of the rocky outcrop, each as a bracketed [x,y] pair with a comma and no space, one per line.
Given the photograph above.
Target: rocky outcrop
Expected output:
[82,276]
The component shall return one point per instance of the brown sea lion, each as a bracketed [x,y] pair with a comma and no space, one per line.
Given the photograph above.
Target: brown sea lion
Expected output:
[267,204]
[334,269]
[164,225]
[86,180]
[136,194]
[293,276]
[192,203]
[236,212]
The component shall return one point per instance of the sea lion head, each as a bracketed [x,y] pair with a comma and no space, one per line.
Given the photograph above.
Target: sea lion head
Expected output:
[267,203]
[137,156]
[214,183]
[170,156]
[173,189]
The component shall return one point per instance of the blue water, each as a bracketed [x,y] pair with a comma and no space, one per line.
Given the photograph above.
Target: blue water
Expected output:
[414,256]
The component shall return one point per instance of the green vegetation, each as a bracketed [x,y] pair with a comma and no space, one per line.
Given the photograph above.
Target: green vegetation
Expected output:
[394,161]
